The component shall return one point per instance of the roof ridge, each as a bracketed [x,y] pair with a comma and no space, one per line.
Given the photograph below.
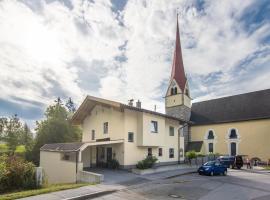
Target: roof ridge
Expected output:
[218,98]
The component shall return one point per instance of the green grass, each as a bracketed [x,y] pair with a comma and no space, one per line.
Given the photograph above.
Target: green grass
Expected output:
[3,148]
[20,149]
[267,167]
[51,188]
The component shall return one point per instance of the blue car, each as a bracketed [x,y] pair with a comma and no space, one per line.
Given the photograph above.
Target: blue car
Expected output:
[212,168]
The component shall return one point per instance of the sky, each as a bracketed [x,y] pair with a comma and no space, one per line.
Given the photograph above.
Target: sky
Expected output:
[123,49]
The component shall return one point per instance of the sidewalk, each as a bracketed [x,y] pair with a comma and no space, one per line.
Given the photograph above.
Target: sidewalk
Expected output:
[258,170]
[105,188]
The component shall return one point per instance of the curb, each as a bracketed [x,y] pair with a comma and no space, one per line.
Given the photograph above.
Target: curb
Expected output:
[91,195]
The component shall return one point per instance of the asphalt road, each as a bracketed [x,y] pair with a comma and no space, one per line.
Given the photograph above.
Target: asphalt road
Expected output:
[240,185]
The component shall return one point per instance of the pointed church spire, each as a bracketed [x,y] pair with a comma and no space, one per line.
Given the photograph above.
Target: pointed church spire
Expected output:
[178,72]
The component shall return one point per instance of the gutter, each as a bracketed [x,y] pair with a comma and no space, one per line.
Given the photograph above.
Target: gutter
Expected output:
[180,127]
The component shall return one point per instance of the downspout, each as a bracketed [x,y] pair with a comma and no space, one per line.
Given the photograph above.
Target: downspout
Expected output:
[179,132]
[76,166]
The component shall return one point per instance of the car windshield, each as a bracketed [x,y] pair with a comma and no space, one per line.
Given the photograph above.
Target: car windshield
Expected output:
[209,163]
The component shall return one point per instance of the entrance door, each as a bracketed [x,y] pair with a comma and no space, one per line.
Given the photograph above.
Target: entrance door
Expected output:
[233,149]
[109,154]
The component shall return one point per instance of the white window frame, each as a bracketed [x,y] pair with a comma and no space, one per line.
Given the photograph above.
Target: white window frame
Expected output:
[236,140]
[207,141]
[152,122]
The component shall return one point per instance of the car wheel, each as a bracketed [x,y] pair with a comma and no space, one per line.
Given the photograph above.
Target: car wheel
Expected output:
[211,173]
[238,167]
[225,173]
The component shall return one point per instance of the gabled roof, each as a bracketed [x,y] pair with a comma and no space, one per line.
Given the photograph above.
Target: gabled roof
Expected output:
[90,102]
[242,107]
[178,72]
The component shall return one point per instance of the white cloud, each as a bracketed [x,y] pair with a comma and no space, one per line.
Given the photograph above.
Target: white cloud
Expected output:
[58,51]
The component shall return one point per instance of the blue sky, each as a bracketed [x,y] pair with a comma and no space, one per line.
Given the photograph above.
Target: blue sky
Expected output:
[122,49]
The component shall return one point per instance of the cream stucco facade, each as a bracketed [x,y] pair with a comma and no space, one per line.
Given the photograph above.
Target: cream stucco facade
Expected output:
[120,124]
[252,138]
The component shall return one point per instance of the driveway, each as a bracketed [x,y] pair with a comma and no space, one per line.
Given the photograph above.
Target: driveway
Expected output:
[126,178]
[240,185]
[121,177]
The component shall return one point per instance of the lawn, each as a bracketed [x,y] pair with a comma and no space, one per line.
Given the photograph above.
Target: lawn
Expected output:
[51,188]
[267,167]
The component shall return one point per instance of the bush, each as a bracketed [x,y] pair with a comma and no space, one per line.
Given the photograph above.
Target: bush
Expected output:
[147,163]
[113,164]
[16,174]
[191,154]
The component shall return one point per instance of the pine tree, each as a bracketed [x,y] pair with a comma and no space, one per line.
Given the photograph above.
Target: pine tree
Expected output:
[70,105]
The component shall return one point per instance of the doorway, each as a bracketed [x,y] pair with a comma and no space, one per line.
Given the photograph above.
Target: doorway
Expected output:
[109,154]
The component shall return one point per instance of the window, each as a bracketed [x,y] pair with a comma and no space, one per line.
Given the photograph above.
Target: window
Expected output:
[171,153]
[210,148]
[233,134]
[130,137]
[210,135]
[149,152]
[93,135]
[159,151]
[66,157]
[105,127]
[172,91]
[187,92]
[171,131]
[154,126]
[175,90]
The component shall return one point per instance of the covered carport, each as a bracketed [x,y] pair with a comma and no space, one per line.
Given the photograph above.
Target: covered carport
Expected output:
[72,162]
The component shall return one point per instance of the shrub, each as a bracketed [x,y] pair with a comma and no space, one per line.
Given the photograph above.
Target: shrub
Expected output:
[191,154]
[16,174]
[146,163]
[113,164]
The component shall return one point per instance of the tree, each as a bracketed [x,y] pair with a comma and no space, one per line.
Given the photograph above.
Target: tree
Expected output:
[55,128]
[26,137]
[13,132]
[3,125]
[70,105]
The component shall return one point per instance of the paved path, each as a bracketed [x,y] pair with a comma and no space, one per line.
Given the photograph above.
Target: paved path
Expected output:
[114,180]
[240,185]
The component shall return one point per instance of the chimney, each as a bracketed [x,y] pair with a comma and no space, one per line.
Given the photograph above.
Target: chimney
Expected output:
[130,102]
[155,108]
[139,104]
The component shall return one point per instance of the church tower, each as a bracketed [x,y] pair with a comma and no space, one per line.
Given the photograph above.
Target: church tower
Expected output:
[177,99]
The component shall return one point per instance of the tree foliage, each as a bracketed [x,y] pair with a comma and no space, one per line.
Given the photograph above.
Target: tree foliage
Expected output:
[14,133]
[55,128]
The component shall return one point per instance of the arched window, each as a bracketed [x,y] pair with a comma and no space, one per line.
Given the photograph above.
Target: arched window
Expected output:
[187,92]
[210,135]
[233,134]
[172,91]
[175,90]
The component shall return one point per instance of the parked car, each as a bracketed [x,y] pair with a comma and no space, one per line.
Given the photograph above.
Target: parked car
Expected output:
[212,168]
[231,161]
[227,161]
